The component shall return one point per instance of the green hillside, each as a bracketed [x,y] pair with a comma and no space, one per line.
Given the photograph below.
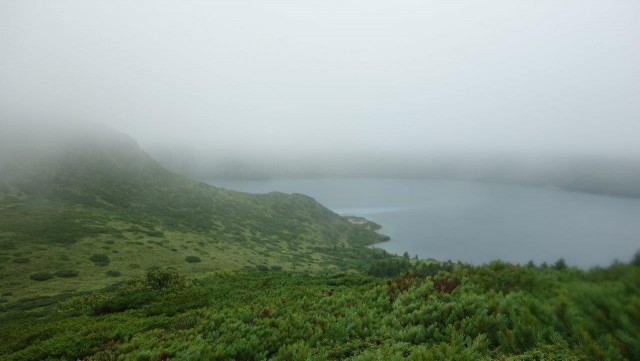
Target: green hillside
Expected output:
[70,194]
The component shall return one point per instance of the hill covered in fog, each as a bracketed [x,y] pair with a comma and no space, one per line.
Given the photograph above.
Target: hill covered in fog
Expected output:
[600,174]
[68,194]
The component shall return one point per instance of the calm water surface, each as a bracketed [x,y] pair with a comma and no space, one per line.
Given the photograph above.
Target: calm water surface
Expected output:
[478,222]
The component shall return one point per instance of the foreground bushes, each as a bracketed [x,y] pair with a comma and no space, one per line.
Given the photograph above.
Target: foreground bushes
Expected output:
[496,311]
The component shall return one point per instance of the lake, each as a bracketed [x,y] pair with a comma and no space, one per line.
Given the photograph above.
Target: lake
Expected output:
[478,222]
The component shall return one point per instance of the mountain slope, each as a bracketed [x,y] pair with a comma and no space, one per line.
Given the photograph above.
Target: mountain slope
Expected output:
[68,193]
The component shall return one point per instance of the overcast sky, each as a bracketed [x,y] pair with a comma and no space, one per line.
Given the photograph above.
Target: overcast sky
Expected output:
[319,77]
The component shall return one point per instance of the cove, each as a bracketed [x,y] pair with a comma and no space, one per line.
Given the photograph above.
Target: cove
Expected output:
[478,222]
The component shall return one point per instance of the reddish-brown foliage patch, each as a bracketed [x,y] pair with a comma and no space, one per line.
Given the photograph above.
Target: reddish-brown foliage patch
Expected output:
[446,284]
[403,283]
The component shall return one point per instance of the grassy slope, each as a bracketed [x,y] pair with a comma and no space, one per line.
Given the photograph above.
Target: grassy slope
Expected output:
[100,194]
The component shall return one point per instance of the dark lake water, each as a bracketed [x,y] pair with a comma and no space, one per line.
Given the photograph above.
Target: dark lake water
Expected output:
[478,222]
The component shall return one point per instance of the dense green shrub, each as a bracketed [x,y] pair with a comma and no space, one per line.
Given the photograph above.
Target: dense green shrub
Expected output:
[262,268]
[192,259]
[164,278]
[100,259]
[389,268]
[154,233]
[6,245]
[21,260]
[66,273]
[636,259]
[560,264]
[113,273]
[41,276]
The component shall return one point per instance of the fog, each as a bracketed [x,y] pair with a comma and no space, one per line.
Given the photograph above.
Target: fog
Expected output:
[267,87]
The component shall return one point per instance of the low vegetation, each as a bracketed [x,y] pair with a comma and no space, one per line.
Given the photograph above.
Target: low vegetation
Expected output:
[41,276]
[113,273]
[192,259]
[66,273]
[21,260]
[497,311]
[100,259]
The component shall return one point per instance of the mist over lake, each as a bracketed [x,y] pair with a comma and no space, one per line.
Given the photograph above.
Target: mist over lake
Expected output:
[478,222]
